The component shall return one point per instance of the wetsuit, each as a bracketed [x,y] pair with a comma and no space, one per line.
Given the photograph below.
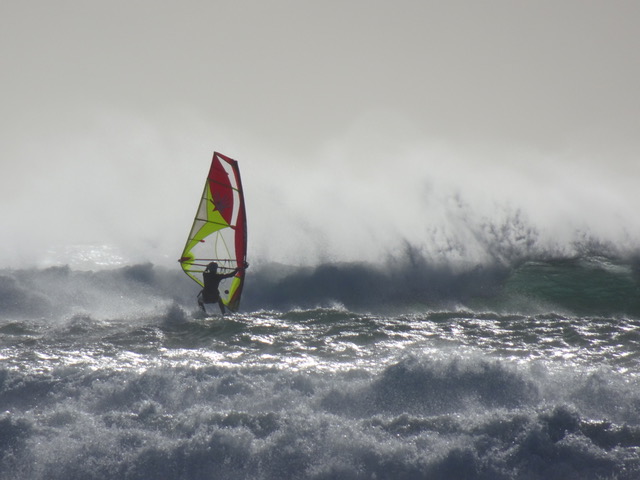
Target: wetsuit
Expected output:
[210,293]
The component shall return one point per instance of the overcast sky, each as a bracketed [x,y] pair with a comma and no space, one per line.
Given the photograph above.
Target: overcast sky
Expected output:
[354,121]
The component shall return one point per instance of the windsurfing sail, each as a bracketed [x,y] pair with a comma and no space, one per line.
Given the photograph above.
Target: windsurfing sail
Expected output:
[219,231]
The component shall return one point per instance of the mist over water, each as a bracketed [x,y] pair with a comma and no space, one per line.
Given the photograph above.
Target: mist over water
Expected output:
[360,196]
[362,199]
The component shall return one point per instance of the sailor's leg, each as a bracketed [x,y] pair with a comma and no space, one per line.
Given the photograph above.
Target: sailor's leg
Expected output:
[221,305]
[200,303]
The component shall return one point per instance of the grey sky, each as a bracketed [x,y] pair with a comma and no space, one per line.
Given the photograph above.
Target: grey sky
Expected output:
[96,94]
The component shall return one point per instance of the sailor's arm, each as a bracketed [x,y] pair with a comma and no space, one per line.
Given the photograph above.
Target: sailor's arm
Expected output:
[229,275]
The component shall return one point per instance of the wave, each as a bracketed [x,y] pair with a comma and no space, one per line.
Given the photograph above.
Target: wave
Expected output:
[427,387]
[585,285]
[454,417]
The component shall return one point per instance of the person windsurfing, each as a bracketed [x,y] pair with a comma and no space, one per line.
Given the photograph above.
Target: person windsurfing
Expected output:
[212,279]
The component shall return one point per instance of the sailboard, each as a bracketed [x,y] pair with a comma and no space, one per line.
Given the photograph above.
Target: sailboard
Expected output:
[219,231]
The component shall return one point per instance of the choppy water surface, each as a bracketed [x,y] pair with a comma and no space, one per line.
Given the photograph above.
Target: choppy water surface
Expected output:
[132,384]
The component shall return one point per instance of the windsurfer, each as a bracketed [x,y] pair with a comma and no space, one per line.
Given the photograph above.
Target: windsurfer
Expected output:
[212,279]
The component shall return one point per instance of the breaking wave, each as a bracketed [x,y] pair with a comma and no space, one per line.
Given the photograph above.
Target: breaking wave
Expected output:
[593,285]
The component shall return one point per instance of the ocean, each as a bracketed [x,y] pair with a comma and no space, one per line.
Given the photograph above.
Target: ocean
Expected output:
[400,370]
